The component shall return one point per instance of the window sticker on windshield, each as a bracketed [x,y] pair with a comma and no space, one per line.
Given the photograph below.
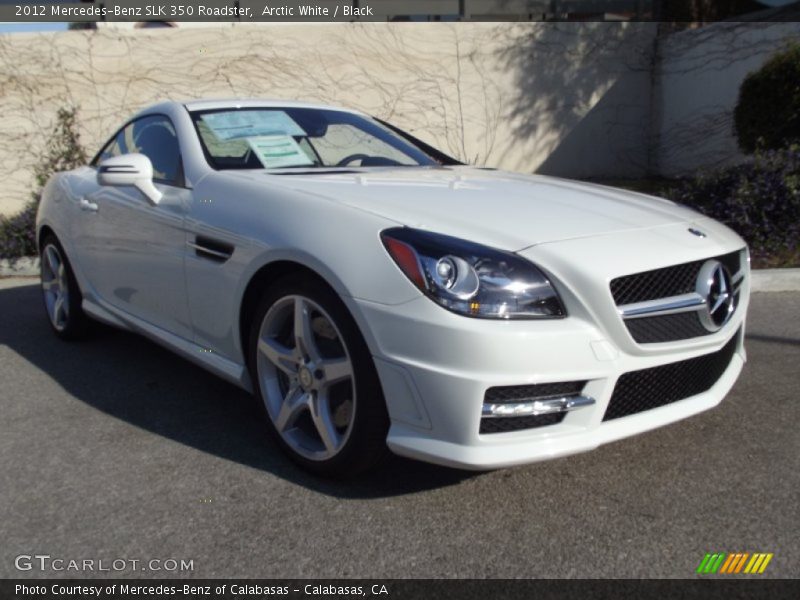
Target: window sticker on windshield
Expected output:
[276,151]
[249,123]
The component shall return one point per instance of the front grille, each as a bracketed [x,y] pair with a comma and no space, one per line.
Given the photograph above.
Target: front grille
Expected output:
[527,393]
[732,261]
[669,281]
[663,283]
[666,328]
[645,389]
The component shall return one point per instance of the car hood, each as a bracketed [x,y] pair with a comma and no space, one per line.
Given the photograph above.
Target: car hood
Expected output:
[505,210]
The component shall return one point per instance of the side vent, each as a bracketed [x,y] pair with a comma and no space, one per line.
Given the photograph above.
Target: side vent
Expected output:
[214,250]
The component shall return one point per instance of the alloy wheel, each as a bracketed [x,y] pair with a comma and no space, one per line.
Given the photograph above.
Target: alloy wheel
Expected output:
[55,286]
[306,377]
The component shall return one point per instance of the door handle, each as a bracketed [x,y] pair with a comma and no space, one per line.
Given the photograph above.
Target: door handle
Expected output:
[88,206]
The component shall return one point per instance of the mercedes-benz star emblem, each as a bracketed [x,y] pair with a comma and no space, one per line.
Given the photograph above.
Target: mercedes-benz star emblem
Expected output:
[714,284]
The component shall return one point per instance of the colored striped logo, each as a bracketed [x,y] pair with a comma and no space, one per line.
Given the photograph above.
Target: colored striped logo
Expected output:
[734,562]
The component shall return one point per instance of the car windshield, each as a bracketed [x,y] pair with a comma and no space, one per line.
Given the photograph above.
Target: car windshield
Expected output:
[306,138]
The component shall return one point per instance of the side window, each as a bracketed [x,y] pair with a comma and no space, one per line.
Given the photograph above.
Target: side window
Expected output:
[155,138]
[114,148]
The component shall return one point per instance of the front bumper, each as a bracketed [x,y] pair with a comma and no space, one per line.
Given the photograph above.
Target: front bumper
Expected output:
[436,366]
[435,378]
[572,436]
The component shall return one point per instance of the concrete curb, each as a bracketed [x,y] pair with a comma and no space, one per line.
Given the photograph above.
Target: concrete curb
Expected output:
[27,266]
[775,280]
[763,280]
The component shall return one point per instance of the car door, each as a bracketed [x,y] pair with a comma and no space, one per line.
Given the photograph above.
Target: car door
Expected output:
[133,250]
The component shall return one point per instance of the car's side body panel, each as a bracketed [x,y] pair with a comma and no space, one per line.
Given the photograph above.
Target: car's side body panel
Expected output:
[273,223]
[135,254]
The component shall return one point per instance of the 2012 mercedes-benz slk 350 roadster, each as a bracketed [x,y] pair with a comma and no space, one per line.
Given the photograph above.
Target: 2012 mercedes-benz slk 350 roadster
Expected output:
[375,294]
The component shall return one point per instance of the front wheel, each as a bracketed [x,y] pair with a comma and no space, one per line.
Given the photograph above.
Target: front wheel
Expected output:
[316,380]
[60,291]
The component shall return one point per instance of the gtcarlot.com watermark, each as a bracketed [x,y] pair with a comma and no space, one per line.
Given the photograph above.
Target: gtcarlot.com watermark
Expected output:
[47,563]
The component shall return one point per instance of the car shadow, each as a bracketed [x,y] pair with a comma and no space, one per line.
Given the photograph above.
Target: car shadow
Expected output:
[130,378]
[773,339]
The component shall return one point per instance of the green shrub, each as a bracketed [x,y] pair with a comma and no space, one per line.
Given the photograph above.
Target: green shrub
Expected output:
[767,114]
[64,152]
[18,233]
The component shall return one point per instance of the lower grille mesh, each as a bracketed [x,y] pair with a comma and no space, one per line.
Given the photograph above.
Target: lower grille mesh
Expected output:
[642,390]
[503,424]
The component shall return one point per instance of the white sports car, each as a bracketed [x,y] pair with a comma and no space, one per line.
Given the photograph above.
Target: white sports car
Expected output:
[375,294]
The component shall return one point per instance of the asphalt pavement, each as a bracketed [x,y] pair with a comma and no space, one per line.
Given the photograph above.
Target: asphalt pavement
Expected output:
[115,449]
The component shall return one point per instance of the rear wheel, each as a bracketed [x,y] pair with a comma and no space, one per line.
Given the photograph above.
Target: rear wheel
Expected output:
[60,291]
[316,380]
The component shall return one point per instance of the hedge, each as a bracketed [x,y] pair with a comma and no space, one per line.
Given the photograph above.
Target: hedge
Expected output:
[759,200]
[767,114]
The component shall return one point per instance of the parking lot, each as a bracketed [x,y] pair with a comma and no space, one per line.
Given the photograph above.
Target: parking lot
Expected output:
[114,448]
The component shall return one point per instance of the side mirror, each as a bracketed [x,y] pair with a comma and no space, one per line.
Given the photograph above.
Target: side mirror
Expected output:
[129,169]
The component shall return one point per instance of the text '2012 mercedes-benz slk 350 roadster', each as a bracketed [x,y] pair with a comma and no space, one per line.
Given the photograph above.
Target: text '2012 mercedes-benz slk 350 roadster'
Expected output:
[375,294]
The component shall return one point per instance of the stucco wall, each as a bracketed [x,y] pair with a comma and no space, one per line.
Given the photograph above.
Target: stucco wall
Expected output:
[697,79]
[568,99]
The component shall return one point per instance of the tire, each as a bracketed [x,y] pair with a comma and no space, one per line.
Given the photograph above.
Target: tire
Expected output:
[315,379]
[60,292]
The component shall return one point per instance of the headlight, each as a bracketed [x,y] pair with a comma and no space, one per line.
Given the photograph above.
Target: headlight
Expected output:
[471,279]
